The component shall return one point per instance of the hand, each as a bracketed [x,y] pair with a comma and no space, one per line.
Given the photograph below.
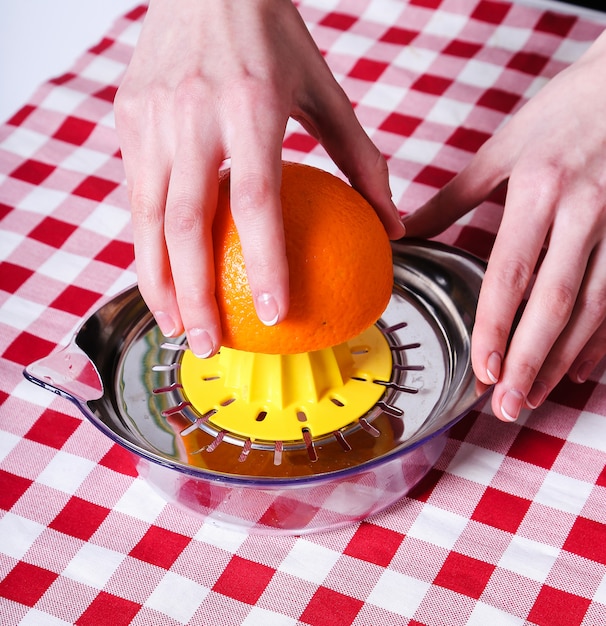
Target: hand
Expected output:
[553,153]
[217,80]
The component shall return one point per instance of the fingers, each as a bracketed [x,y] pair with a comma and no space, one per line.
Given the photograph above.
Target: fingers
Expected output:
[565,308]
[332,120]
[190,208]
[256,171]
[583,343]
[508,275]
[148,188]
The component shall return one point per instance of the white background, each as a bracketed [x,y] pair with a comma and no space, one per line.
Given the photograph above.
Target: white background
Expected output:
[40,39]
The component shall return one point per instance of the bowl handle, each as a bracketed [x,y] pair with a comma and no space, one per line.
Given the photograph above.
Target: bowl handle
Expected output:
[67,372]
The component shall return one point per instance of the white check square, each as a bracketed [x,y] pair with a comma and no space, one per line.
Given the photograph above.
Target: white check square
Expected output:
[309,561]
[106,562]
[63,266]
[563,493]
[529,558]
[398,593]
[107,220]
[479,73]
[17,534]
[66,472]
[484,614]
[23,142]
[509,38]
[177,597]
[20,313]
[589,430]
[475,463]
[438,527]
[444,24]
[43,200]
[141,501]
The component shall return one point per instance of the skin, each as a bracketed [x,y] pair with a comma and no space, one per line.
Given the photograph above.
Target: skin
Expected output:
[187,104]
[553,155]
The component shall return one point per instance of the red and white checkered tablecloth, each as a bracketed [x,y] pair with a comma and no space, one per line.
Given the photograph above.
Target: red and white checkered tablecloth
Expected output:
[508,528]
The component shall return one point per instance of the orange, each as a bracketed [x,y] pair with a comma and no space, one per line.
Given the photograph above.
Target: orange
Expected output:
[340,267]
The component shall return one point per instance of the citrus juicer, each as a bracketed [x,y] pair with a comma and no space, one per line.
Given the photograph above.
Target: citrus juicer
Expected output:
[285,444]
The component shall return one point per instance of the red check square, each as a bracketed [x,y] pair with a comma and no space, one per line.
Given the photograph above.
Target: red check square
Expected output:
[367,69]
[428,4]
[27,348]
[244,580]
[118,253]
[587,538]
[95,188]
[79,518]
[491,12]
[63,78]
[533,446]
[26,583]
[464,574]
[21,115]
[528,62]
[499,100]
[554,607]
[434,176]
[160,547]
[572,394]
[478,242]
[424,488]
[102,46]
[339,21]
[13,276]
[53,428]
[107,608]
[435,85]
[74,130]
[5,210]
[331,608]
[52,232]
[75,300]
[374,544]
[400,124]
[399,36]
[32,171]
[464,49]
[555,23]
[301,142]
[120,460]
[12,487]
[467,139]
[136,13]
[501,510]
[107,93]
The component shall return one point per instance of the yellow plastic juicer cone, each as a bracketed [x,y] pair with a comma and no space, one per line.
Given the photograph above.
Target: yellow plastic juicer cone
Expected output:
[286,398]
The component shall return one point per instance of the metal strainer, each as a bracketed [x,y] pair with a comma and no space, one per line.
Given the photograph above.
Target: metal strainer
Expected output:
[285,444]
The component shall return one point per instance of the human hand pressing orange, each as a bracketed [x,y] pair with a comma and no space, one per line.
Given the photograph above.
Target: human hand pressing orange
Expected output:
[217,80]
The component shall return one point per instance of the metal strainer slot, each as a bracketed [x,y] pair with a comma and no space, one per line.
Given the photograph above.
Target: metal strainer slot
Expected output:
[257,475]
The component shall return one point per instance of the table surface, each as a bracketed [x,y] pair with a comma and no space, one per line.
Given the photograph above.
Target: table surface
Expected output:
[507,528]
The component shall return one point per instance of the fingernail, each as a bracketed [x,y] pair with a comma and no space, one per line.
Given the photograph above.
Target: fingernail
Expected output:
[511,405]
[584,372]
[200,343]
[267,309]
[493,367]
[165,323]
[537,394]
